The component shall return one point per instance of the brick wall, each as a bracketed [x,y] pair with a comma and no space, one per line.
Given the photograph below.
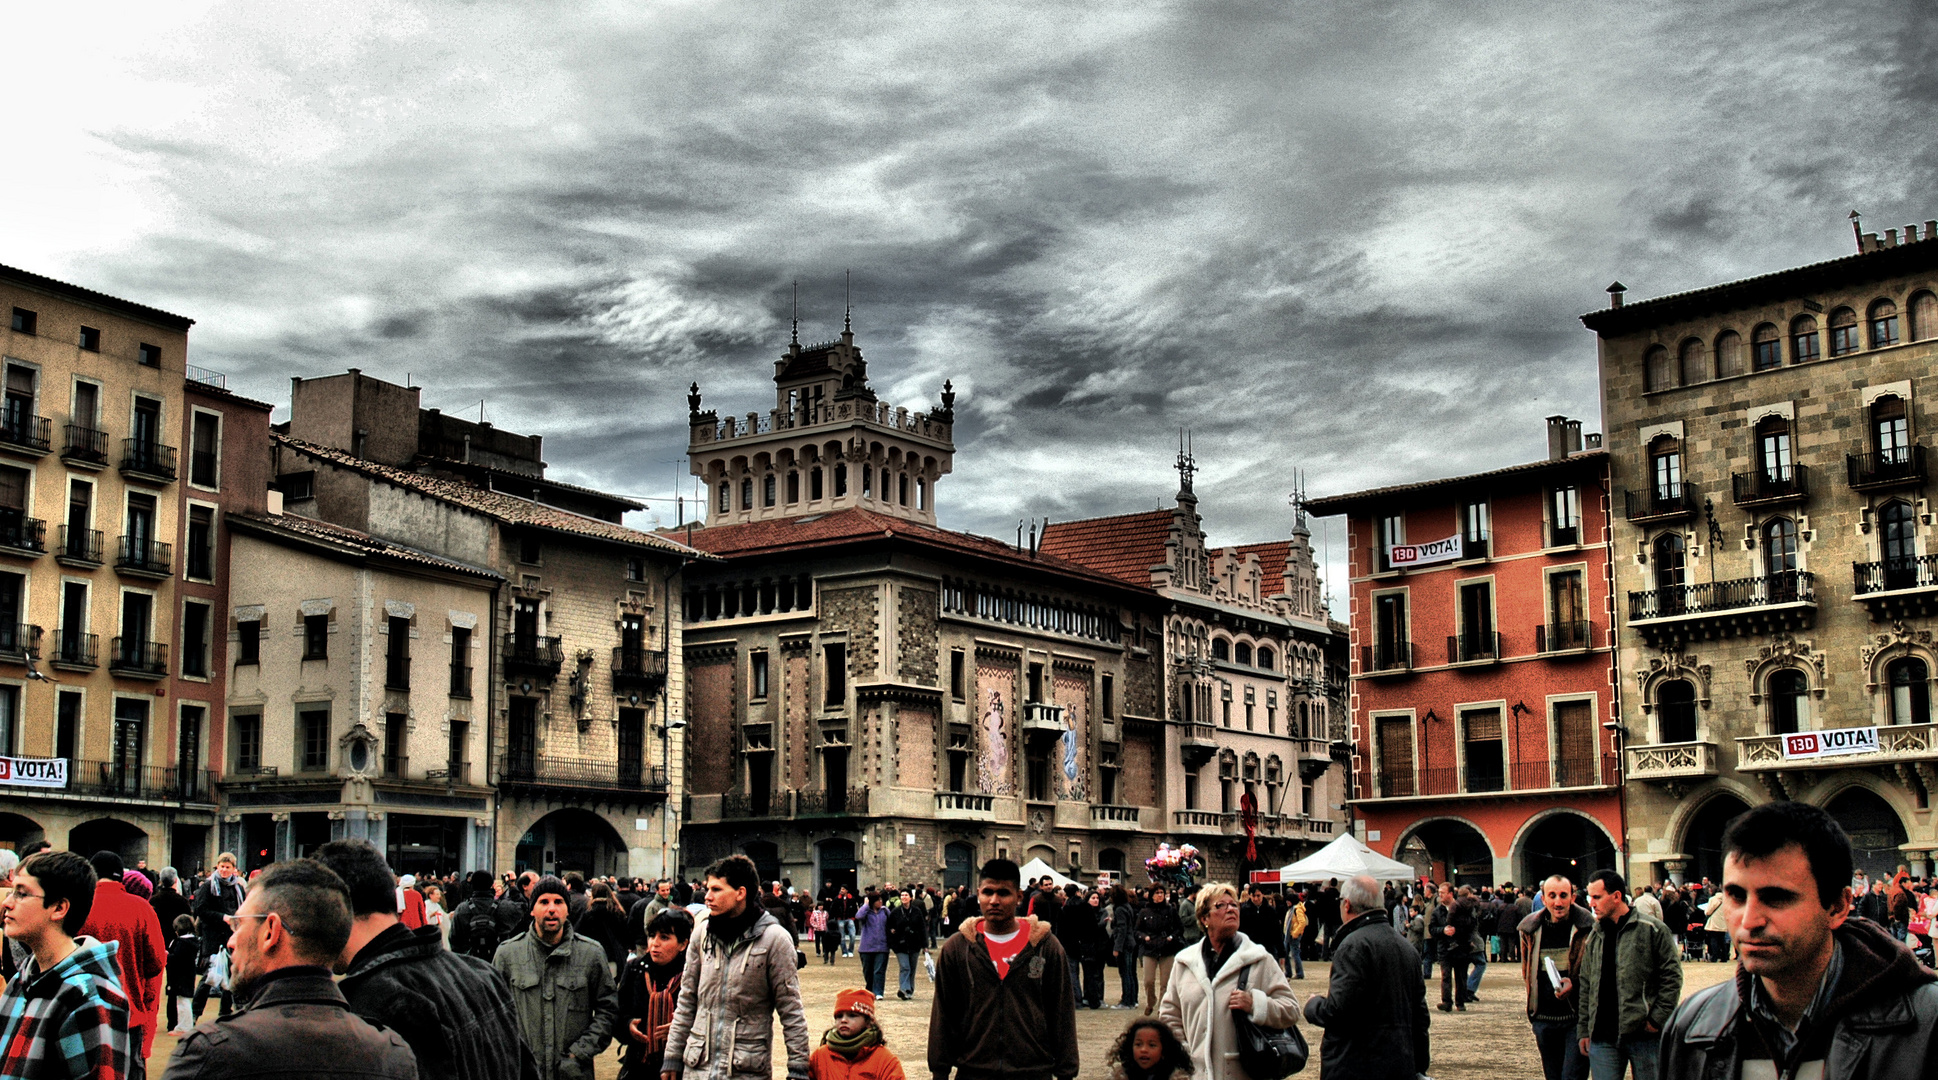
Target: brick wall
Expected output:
[710,715]
[796,731]
[915,747]
[1143,688]
[1138,778]
[917,635]
[858,612]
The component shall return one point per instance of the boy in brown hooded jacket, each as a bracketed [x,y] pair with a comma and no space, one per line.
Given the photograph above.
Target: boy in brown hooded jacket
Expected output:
[1004,1008]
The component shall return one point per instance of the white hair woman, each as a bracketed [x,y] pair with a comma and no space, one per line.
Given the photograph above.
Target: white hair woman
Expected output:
[1203,991]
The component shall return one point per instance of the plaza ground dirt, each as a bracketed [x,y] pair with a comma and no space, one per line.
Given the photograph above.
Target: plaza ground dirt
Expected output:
[1491,1039]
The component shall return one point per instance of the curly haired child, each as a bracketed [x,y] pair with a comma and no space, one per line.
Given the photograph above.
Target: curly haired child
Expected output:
[1148,1051]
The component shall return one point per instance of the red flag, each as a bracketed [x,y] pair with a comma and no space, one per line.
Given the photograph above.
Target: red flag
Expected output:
[1248,814]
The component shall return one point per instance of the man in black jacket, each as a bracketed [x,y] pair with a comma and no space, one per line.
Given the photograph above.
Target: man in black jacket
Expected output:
[1816,992]
[1453,931]
[1159,937]
[454,1010]
[1375,1013]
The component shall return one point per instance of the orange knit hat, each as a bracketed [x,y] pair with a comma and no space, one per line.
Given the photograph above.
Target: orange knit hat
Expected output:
[855,1000]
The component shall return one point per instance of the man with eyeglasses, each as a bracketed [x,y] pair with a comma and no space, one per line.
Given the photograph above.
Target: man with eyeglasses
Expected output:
[294,1023]
[63,1014]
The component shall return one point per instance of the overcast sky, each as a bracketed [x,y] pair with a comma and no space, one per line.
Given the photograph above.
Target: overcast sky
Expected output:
[1352,239]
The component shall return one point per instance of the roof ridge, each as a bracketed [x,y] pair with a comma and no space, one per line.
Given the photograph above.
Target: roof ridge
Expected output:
[1112,517]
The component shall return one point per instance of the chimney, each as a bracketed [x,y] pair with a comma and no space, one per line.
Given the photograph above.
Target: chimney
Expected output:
[275,503]
[1574,436]
[1558,437]
[1592,441]
[1615,292]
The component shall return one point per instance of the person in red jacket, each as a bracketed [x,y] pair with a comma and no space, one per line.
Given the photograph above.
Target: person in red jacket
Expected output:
[410,902]
[853,1049]
[142,958]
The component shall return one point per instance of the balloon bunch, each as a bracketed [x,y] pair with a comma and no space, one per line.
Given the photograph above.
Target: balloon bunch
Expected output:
[1178,866]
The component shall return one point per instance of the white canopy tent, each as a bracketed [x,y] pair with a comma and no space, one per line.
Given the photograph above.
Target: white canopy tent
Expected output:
[1036,868]
[1343,858]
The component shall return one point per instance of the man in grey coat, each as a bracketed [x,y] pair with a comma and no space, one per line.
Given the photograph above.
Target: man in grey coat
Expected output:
[561,986]
[740,973]
[1375,1010]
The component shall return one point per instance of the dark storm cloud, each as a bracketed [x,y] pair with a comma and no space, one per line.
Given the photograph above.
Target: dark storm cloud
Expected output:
[1352,240]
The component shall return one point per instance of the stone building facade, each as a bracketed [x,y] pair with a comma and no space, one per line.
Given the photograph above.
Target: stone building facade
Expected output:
[1773,551]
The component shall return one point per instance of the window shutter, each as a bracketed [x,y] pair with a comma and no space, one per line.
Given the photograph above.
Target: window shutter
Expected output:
[1484,724]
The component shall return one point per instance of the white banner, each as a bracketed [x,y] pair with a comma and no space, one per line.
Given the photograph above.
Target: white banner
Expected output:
[33,772]
[1438,551]
[1812,744]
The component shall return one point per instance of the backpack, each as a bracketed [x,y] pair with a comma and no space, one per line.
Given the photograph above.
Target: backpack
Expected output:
[481,931]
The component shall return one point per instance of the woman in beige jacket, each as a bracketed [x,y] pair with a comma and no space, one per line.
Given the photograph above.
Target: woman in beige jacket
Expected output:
[1203,991]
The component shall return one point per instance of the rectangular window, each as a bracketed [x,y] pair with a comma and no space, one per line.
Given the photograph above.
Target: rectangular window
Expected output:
[1767,352]
[528,547]
[24,321]
[460,662]
[814,484]
[1803,347]
[1034,688]
[195,640]
[1477,622]
[1109,697]
[758,664]
[204,448]
[67,725]
[316,637]
[200,556]
[9,720]
[1395,734]
[840,480]
[867,482]
[1667,476]
[457,751]
[1392,531]
[396,745]
[1884,328]
[397,654]
[1475,530]
[148,355]
[18,423]
[1843,339]
[188,749]
[834,674]
[90,339]
[297,486]
[313,728]
[632,746]
[793,488]
[958,661]
[635,569]
[1390,646]
[248,741]
[1486,765]
[1564,516]
[1574,739]
[1567,611]
[248,642]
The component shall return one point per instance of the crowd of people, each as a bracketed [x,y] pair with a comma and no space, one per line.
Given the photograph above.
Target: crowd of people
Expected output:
[335,964]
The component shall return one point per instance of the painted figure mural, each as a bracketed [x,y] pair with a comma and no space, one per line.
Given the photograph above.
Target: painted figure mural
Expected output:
[1071,745]
[992,768]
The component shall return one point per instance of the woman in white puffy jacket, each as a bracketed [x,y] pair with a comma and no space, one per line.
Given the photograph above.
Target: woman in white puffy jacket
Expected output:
[1203,990]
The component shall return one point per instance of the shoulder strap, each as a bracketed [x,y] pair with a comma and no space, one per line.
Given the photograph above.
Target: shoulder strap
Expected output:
[1244,978]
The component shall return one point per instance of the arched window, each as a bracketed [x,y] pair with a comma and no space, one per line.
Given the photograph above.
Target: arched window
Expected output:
[1729,354]
[1766,350]
[1910,682]
[1266,658]
[1789,701]
[867,482]
[840,480]
[1693,362]
[1924,316]
[1658,370]
[1242,653]
[1884,324]
[1804,342]
[921,493]
[1773,460]
[814,484]
[726,496]
[1666,559]
[767,490]
[901,489]
[1843,332]
[1220,649]
[1665,470]
[1898,543]
[793,487]
[747,493]
[1675,712]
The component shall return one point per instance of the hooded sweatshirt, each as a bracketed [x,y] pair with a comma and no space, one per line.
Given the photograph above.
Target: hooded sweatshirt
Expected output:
[69,1021]
[1021,1026]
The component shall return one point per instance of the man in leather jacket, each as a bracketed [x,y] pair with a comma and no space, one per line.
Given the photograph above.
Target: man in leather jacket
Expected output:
[1817,992]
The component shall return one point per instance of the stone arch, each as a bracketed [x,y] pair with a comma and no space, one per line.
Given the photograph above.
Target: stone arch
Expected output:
[1872,814]
[1668,667]
[1448,847]
[109,834]
[575,838]
[1537,850]
[1901,641]
[1698,825]
[1785,653]
[20,830]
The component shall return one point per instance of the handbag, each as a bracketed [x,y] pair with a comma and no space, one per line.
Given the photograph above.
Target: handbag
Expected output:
[1920,925]
[1267,1053]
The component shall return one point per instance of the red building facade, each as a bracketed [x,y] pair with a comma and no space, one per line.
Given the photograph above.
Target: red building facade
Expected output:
[1483,669]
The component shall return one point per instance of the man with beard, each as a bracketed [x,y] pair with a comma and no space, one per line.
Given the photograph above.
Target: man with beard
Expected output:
[293,1023]
[561,986]
[1816,992]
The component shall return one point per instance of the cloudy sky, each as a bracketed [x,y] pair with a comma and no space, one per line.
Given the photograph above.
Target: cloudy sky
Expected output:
[1347,238]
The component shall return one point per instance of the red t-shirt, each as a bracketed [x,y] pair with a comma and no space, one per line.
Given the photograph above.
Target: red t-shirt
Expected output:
[1003,950]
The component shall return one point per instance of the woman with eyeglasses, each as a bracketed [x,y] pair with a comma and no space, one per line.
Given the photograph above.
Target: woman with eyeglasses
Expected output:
[1203,992]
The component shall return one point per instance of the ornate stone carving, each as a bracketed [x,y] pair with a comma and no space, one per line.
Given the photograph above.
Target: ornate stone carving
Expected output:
[1900,635]
[1784,651]
[1671,663]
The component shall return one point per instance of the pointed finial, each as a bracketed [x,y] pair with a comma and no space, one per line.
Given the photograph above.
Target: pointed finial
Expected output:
[847,301]
[795,338]
[1187,467]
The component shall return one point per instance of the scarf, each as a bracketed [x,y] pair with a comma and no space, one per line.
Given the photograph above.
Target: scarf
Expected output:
[727,929]
[662,994]
[870,1037]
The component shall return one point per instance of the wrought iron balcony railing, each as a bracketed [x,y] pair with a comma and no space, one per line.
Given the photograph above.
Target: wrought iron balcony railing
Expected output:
[79,545]
[23,432]
[86,444]
[1787,587]
[1902,466]
[1790,484]
[141,555]
[142,659]
[147,459]
[1676,501]
[1564,636]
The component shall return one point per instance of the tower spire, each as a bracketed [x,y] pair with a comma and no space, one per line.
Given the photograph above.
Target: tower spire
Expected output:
[1187,466]
[795,338]
[847,301]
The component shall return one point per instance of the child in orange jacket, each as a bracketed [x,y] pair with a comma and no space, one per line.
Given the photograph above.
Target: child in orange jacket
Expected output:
[852,1049]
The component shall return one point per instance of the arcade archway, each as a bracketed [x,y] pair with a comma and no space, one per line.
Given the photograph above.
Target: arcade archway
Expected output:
[572,839]
[1448,850]
[1564,843]
[17,831]
[109,834]
[1875,830]
[1702,841]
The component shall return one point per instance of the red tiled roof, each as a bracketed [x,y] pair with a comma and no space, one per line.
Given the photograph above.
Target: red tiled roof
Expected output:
[856,524]
[498,504]
[1357,501]
[357,541]
[1124,547]
[1271,559]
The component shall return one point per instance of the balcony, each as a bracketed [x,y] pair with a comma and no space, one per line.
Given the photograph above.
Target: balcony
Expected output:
[140,556]
[138,659]
[1670,504]
[1040,717]
[964,806]
[1114,817]
[1902,467]
[532,774]
[1473,648]
[1774,603]
[85,446]
[1896,744]
[79,547]
[1767,487]
[21,535]
[18,643]
[163,783]
[1897,588]
[1506,780]
[1198,821]
[22,434]
[1197,743]
[638,667]
[540,656]
[743,805]
[841,802]
[75,651]
[1390,658]
[1677,766]
[142,459]
[1564,637]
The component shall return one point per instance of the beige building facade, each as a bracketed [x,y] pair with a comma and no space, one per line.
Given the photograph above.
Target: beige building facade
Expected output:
[1773,552]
